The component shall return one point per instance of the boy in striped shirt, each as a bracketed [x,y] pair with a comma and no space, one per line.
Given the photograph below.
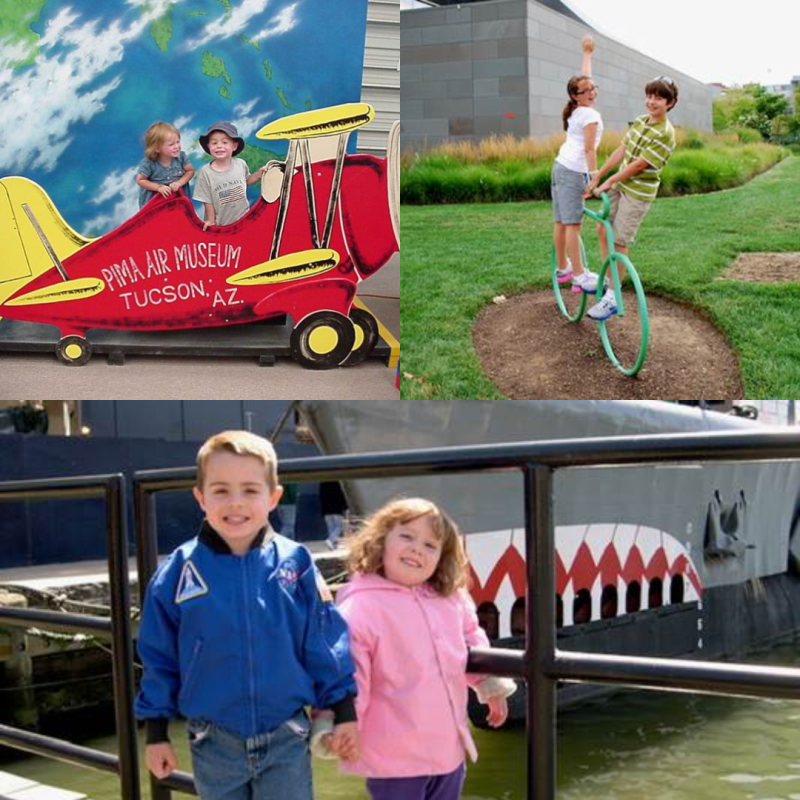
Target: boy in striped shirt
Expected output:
[644,152]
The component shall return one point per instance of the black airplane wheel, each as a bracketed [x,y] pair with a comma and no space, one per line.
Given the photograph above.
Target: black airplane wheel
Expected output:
[366,327]
[322,340]
[74,351]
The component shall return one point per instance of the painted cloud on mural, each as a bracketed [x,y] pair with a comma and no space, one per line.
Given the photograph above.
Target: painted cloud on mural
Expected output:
[81,81]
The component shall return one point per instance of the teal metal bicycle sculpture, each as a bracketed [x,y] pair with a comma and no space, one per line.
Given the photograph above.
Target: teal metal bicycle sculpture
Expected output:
[573,307]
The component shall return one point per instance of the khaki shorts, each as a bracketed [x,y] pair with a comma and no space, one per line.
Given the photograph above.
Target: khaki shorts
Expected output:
[626,216]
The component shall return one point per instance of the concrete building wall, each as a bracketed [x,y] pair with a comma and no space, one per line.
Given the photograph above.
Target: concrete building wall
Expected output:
[502,67]
[381,81]
[464,71]
[620,72]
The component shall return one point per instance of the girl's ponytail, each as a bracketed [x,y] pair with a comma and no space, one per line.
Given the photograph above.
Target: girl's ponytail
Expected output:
[567,112]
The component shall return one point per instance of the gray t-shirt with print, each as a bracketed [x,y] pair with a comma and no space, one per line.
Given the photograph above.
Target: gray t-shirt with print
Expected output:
[226,191]
[155,171]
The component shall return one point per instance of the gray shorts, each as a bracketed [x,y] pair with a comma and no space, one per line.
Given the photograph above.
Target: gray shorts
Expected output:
[626,215]
[566,189]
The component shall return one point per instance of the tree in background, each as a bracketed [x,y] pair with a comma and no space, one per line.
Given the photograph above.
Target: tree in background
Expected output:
[752,106]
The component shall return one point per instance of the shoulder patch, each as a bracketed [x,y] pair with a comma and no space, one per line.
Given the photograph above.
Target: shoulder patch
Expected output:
[322,588]
[190,584]
[287,574]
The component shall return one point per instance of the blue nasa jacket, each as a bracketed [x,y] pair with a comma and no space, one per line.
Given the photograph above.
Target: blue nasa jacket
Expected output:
[241,641]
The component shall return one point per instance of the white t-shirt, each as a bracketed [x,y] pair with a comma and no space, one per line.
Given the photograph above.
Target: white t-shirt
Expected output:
[226,191]
[572,154]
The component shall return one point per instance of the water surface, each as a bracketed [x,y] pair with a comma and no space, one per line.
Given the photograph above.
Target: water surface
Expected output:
[669,746]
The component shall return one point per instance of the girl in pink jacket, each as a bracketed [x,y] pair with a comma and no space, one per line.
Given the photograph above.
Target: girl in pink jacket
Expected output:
[411,624]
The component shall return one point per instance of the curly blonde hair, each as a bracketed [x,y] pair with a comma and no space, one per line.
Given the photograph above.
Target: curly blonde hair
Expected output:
[241,443]
[155,136]
[367,545]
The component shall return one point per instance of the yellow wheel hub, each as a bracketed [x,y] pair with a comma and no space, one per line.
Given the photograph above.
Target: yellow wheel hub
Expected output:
[359,337]
[73,351]
[323,339]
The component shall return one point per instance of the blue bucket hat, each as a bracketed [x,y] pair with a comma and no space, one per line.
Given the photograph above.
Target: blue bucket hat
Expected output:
[229,130]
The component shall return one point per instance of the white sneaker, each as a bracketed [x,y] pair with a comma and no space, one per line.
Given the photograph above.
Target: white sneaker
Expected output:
[605,309]
[585,282]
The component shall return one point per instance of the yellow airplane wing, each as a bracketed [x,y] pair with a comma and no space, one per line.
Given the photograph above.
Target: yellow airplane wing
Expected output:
[320,122]
[61,292]
[291,267]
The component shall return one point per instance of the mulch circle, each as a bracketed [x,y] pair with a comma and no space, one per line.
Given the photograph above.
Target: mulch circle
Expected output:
[764,268]
[531,352]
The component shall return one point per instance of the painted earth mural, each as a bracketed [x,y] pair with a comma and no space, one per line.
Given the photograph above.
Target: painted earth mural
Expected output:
[81,81]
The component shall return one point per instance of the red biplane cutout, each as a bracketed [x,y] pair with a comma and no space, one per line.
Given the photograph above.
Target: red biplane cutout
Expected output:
[317,230]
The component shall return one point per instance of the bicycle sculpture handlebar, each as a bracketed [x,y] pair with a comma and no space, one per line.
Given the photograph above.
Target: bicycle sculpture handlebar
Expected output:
[605,211]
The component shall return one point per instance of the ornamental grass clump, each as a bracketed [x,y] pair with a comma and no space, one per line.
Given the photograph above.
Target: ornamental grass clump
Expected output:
[507,169]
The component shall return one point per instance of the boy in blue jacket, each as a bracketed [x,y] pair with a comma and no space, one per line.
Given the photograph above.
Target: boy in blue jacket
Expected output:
[239,636]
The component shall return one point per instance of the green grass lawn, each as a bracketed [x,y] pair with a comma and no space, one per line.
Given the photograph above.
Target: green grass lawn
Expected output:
[456,258]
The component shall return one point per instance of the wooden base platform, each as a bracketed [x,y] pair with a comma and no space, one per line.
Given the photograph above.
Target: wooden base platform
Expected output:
[265,341]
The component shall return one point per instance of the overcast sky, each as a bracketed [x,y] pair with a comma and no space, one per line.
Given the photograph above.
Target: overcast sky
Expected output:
[746,41]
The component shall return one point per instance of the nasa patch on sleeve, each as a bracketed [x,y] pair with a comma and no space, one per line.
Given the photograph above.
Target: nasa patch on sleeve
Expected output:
[190,584]
[288,574]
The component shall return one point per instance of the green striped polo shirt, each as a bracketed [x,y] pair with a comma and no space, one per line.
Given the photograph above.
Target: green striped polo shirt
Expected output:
[655,144]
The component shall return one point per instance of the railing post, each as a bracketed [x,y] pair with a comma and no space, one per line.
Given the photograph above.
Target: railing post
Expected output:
[540,637]
[122,642]
[146,540]
[146,563]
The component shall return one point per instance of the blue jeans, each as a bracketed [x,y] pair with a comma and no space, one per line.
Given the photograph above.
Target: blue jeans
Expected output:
[266,767]
[335,523]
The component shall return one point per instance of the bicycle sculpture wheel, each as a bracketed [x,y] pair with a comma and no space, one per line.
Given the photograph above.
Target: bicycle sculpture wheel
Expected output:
[626,334]
[571,304]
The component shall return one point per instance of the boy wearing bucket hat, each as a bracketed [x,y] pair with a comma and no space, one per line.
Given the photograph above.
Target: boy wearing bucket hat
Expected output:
[222,183]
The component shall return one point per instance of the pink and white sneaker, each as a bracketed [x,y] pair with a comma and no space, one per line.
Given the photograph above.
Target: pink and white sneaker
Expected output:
[585,282]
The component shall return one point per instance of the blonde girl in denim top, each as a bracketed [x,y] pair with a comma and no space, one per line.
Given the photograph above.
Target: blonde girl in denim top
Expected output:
[165,168]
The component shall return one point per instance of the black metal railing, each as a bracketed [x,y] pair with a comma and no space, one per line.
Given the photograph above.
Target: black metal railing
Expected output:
[146,485]
[111,489]
[541,664]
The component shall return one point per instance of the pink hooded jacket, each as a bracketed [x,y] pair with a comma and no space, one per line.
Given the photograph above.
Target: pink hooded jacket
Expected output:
[410,649]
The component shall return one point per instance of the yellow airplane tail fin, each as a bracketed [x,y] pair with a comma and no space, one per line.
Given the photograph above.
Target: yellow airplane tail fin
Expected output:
[23,255]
